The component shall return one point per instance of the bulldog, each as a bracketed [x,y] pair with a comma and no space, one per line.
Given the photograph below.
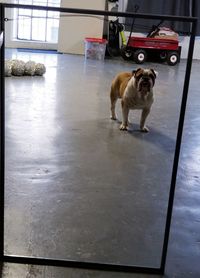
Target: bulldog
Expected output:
[136,92]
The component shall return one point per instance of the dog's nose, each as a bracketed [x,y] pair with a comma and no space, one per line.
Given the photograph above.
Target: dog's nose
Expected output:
[145,79]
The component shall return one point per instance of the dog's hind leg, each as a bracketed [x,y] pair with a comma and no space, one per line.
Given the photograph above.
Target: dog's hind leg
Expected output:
[113,100]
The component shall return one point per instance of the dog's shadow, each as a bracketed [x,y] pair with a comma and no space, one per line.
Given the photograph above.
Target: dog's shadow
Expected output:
[162,140]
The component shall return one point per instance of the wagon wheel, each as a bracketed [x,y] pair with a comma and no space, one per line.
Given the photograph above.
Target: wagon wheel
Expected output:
[163,55]
[140,56]
[172,58]
[127,53]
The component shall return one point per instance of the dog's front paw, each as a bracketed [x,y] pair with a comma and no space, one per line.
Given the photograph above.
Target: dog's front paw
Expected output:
[144,129]
[113,118]
[123,127]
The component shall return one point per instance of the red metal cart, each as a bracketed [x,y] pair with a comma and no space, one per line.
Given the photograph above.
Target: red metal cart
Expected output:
[139,48]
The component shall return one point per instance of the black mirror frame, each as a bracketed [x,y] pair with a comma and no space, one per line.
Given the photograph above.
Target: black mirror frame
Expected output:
[84,264]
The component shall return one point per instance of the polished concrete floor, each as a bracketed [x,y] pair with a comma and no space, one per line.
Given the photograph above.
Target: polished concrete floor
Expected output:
[78,188]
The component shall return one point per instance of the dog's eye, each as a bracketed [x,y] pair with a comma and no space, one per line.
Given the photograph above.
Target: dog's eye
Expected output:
[139,76]
[151,76]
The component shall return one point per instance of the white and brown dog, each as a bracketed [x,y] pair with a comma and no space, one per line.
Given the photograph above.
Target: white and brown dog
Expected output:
[136,91]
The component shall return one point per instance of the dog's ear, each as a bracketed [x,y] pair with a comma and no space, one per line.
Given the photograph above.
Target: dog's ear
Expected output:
[155,73]
[137,71]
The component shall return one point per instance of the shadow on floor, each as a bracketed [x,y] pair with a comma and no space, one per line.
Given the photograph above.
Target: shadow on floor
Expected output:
[155,137]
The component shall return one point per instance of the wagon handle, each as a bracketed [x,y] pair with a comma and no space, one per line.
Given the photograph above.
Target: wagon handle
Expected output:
[136,8]
[154,28]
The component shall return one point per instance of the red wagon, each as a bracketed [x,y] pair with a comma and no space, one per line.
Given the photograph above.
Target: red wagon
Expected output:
[161,43]
[139,48]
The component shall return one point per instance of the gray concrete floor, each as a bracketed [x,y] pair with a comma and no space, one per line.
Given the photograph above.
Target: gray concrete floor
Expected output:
[79,188]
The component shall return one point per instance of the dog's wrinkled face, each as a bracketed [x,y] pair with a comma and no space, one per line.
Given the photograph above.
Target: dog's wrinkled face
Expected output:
[144,80]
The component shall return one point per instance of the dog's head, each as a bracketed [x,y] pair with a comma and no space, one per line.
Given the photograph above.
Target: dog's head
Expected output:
[144,79]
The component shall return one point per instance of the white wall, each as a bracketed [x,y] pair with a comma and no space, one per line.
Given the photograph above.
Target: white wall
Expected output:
[74,29]
[184,42]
